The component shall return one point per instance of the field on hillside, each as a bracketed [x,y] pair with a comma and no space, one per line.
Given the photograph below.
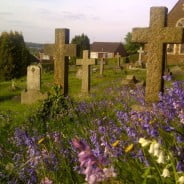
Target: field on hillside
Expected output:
[94,139]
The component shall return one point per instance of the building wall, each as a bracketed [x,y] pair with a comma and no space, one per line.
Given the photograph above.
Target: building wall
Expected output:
[101,54]
[110,55]
[94,55]
[176,14]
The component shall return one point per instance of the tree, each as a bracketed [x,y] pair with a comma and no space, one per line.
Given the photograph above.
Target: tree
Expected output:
[131,47]
[14,56]
[83,43]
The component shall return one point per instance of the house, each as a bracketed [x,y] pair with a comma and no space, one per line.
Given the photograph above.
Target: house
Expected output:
[46,54]
[45,58]
[106,49]
[175,52]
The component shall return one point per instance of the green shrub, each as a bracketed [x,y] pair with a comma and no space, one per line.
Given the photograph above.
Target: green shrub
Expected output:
[133,58]
[14,56]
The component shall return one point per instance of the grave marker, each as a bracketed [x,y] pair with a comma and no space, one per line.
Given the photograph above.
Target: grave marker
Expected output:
[140,51]
[156,37]
[62,50]
[118,57]
[102,62]
[33,94]
[85,62]
[33,78]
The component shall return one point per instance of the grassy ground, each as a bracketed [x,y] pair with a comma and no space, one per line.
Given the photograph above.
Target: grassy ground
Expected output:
[10,99]
[70,123]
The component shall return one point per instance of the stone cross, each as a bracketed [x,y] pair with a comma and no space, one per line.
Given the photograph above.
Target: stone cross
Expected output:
[85,62]
[102,62]
[62,50]
[156,37]
[33,94]
[118,60]
[140,51]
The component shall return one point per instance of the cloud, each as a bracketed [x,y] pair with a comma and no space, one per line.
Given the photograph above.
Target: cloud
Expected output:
[19,23]
[65,16]
[6,13]
[73,16]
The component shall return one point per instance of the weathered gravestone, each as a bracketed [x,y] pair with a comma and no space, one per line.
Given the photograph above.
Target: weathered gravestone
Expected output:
[102,63]
[118,57]
[156,37]
[33,94]
[85,62]
[140,51]
[62,50]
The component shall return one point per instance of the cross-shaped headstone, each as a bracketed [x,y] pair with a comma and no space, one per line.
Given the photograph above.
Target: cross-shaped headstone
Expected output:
[118,56]
[140,51]
[102,62]
[156,37]
[85,62]
[62,50]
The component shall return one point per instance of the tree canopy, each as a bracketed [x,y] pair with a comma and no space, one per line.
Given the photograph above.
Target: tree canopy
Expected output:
[83,43]
[14,56]
[131,47]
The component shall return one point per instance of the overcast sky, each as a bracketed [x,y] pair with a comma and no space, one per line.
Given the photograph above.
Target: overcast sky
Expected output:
[100,20]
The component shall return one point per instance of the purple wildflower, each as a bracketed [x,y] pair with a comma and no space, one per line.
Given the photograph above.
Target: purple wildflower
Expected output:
[90,165]
[167,77]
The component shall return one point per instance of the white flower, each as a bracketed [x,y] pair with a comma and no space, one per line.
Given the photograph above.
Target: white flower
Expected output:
[161,158]
[181,180]
[144,142]
[109,172]
[165,173]
[156,148]
[132,92]
[151,149]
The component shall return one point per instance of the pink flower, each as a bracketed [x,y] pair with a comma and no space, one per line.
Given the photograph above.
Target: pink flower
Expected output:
[90,164]
[46,181]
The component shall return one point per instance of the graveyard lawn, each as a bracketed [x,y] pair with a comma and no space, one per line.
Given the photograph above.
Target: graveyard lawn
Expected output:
[10,98]
[59,140]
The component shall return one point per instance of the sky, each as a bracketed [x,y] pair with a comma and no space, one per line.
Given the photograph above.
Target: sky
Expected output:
[100,20]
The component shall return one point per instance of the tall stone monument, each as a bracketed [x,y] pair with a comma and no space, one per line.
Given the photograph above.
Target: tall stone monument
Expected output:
[85,62]
[33,94]
[62,50]
[156,36]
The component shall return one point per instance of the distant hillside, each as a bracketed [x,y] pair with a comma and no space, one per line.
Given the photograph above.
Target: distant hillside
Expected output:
[36,46]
